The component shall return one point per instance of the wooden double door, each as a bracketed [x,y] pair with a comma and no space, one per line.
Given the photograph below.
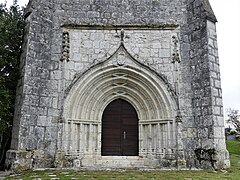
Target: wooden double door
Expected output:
[119,129]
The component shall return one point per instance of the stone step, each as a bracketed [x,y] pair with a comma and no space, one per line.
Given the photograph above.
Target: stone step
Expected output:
[121,161]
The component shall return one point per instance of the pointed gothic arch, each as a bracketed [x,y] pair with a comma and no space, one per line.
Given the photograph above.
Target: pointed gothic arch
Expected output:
[120,77]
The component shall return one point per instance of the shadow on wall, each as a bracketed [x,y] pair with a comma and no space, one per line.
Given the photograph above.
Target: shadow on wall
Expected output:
[5,141]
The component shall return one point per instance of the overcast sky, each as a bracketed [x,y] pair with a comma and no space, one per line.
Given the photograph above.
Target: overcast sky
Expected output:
[228,31]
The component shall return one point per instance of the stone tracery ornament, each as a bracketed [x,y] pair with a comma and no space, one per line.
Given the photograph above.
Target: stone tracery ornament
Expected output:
[175,54]
[65,46]
[120,58]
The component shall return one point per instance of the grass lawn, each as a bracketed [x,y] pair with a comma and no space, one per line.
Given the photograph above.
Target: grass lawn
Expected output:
[232,173]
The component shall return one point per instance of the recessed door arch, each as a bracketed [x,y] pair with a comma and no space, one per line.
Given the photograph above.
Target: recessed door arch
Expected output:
[88,96]
[120,129]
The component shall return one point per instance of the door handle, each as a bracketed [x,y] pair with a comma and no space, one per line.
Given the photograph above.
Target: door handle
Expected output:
[124,135]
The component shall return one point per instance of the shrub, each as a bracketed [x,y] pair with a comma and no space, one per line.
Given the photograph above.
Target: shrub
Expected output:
[238,137]
[232,132]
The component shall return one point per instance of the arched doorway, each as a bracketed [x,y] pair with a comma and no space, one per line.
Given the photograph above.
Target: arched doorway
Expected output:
[101,94]
[119,129]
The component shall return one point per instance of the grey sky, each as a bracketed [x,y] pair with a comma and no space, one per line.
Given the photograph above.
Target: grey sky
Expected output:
[228,31]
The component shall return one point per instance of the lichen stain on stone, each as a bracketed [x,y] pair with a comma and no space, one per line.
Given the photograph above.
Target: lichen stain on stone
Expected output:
[206,155]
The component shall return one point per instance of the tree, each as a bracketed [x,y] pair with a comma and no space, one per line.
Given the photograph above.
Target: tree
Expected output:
[11,33]
[233,117]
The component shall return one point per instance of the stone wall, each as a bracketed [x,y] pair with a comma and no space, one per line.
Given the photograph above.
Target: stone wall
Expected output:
[207,109]
[175,39]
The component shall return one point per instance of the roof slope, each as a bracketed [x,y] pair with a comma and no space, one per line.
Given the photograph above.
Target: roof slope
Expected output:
[208,9]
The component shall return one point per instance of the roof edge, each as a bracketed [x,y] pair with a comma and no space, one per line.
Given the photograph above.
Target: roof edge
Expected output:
[209,11]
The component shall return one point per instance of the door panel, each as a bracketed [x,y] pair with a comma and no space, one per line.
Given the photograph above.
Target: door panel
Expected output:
[119,129]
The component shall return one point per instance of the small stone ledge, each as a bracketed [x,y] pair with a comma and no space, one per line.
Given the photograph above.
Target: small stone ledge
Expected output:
[120,26]
[18,161]
[22,160]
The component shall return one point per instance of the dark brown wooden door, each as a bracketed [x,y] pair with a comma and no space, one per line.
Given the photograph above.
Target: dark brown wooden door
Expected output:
[119,129]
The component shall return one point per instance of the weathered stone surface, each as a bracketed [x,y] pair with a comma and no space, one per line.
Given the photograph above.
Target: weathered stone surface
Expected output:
[160,56]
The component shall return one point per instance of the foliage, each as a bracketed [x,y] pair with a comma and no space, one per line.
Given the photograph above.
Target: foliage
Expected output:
[11,33]
[233,117]
[232,132]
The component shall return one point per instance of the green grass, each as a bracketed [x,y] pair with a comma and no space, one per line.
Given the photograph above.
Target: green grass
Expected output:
[233,147]
[233,173]
[104,175]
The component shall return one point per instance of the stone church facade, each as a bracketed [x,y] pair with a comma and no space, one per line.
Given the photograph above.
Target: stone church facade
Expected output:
[110,83]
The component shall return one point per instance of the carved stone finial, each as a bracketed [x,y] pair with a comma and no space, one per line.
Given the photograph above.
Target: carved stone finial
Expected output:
[122,36]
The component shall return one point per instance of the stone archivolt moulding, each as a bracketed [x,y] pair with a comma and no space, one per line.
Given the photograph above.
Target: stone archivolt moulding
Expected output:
[119,76]
[107,81]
